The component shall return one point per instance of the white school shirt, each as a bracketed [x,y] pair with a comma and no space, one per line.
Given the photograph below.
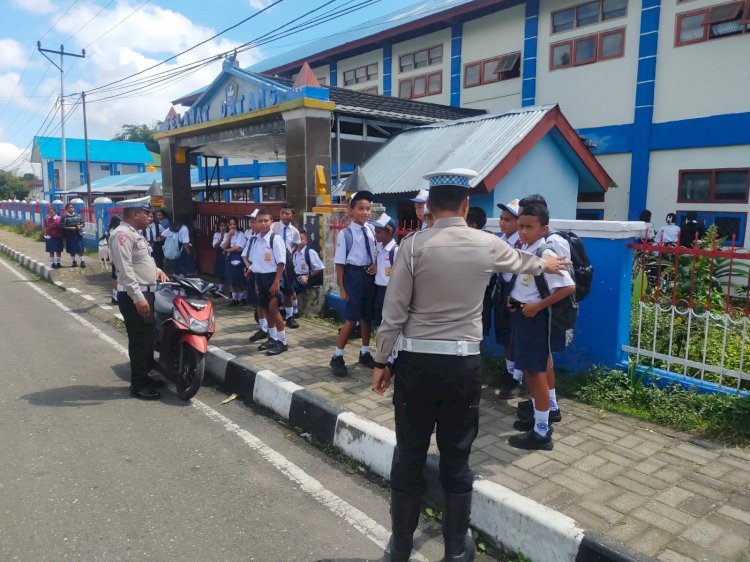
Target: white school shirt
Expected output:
[525,291]
[151,234]
[358,253]
[559,245]
[218,240]
[289,234]
[668,234]
[383,260]
[511,240]
[249,242]
[263,258]
[238,239]
[300,265]
[183,235]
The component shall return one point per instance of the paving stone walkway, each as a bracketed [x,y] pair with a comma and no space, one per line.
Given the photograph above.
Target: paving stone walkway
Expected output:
[661,492]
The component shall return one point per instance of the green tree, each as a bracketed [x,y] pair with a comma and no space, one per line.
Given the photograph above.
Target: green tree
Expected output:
[28,177]
[140,133]
[12,187]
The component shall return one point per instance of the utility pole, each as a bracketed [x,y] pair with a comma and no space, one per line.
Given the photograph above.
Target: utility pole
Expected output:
[63,54]
[86,146]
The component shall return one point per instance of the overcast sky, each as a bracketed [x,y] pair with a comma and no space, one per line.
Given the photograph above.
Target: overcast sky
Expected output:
[127,36]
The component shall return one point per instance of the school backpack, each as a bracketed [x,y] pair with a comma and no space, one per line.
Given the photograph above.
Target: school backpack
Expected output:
[583,271]
[564,313]
[349,242]
[289,265]
[172,246]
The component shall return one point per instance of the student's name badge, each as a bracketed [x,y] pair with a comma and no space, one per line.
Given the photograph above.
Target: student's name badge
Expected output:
[526,280]
[303,266]
[267,256]
[388,271]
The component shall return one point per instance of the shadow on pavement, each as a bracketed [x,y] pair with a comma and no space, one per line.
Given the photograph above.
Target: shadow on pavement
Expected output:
[77,395]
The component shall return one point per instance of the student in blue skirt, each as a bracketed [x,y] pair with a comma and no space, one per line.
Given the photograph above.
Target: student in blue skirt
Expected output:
[219,262]
[53,237]
[233,244]
[73,225]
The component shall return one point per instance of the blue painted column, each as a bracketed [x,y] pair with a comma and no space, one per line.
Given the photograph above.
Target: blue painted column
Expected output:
[530,33]
[644,107]
[387,69]
[333,75]
[456,43]
[51,178]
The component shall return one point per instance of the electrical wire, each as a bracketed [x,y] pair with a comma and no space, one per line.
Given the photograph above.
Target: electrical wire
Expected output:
[61,16]
[49,115]
[15,89]
[107,5]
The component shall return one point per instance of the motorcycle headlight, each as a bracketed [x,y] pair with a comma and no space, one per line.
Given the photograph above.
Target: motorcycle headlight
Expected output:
[198,326]
[178,317]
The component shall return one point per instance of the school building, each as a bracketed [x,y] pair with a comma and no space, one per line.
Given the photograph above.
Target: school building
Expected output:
[658,90]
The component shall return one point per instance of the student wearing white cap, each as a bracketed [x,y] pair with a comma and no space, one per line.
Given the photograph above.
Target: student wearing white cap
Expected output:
[432,321]
[385,256]
[419,204]
[137,275]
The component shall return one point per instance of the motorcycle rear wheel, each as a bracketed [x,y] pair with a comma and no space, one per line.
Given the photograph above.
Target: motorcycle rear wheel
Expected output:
[188,380]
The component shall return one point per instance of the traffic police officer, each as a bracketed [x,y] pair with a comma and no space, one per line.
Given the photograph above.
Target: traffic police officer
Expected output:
[432,321]
[137,275]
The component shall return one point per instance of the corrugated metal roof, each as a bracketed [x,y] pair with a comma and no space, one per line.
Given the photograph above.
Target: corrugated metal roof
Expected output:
[99,151]
[478,143]
[383,23]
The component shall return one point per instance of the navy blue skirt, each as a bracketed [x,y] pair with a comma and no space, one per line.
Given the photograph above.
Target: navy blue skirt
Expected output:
[74,244]
[235,274]
[53,245]
[220,265]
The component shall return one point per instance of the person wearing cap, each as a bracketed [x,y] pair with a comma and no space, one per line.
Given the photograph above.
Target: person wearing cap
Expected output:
[429,220]
[386,251]
[432,322]
[354,256]
[419,206]
[137,275]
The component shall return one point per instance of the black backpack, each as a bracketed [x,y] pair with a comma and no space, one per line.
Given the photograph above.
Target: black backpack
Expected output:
[583,271]
[565,312]
[318,279]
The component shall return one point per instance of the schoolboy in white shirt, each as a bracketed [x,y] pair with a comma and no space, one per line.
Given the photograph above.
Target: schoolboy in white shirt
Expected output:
[290,235]
[308,267]
[386,252]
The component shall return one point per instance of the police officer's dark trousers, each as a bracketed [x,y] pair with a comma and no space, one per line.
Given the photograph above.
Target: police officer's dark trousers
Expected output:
[140,338]
[435,392]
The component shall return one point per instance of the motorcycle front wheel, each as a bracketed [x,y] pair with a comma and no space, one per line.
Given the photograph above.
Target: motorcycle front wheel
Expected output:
[189,377]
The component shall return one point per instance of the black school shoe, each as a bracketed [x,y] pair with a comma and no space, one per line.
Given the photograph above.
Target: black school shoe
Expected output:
[234,302]
[268,344]
[144,393]
[366,360]
[83,264]
[531,440]
[338,367]
[276,348]
[74,264]
[526,411]
[291,323]
[259,335]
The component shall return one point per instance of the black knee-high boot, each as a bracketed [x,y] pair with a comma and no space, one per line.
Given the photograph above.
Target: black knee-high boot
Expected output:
[405,510]
[459,546]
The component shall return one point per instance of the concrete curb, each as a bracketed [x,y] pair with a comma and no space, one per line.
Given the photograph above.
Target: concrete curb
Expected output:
[508,518]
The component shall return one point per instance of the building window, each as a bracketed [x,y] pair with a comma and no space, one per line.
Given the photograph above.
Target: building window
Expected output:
[728,224]
[492,70]
[421,86]
[588,13]
[272,193]
[713,23]
[586,50]
[714,186]
[361,74]
[421,59]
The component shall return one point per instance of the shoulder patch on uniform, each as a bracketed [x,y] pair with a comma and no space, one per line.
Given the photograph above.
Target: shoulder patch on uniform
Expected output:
[122,238]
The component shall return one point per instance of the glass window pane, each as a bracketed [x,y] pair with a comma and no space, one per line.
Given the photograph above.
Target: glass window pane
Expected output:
[611,45]
[406,62]
[691,28]
[435,83]
[587,13]
[420,87]
[728,226]
[404,89]
[731,186]
[563,20]
[420,59]
[490,73]
[585,50]
[372,71]
[348,77]
[561,55]
[726,28]
[436,55]
[725,12]
[361,72]
[472,75]
[614,9]
[695,186]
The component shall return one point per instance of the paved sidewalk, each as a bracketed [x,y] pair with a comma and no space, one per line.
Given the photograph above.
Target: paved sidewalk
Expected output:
[658,491]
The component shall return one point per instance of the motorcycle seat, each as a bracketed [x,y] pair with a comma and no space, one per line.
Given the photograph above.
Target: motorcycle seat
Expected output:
[163,301]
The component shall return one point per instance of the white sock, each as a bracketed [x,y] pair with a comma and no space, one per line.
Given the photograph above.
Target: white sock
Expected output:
[221,287]
[273,333]
[289,313]
[517,375]
[541,422]
[282,336]
[364,349]
[294,306]
[114,294]
[234,296]
[52,261]
[82,258]
[57,259]
[263,324]
[553,400]
[338,352]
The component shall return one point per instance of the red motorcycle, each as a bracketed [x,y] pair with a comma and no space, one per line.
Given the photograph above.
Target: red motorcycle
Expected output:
[184,323]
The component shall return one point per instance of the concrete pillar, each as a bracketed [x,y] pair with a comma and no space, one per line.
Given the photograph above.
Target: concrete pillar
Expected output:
[308,143]
[175,170]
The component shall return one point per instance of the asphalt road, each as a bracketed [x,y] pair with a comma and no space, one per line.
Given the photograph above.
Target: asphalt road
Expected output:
[89,473]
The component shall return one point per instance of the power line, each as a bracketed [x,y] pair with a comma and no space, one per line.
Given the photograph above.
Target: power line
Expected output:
[118,23]
[90,20]
[49,115]
[61,16]
[15,89]
[17,115]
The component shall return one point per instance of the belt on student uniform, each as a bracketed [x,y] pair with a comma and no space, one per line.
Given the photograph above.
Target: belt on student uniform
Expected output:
[438,347]
[144,288]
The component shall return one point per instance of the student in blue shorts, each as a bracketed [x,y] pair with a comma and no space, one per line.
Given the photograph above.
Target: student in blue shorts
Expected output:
[355,253]
[531,328]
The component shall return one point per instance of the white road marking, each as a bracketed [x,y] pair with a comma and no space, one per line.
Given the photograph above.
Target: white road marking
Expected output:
[73,290]
[355,517]
[88,298]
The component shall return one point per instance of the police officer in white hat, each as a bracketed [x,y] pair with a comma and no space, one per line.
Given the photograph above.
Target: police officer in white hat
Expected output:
[137,275]
[432,321]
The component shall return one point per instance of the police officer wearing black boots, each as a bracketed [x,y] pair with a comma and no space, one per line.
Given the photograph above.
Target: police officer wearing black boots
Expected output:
[137,275]
[432,322]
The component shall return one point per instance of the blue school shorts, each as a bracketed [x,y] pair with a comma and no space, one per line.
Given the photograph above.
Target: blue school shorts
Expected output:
[529,346]
[360,287]
[264,281]
[377,305]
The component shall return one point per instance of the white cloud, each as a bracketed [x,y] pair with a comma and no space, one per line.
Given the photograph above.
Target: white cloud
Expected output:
[9,152]
[36,6]
[147,37]
[12,54]
[260,4]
